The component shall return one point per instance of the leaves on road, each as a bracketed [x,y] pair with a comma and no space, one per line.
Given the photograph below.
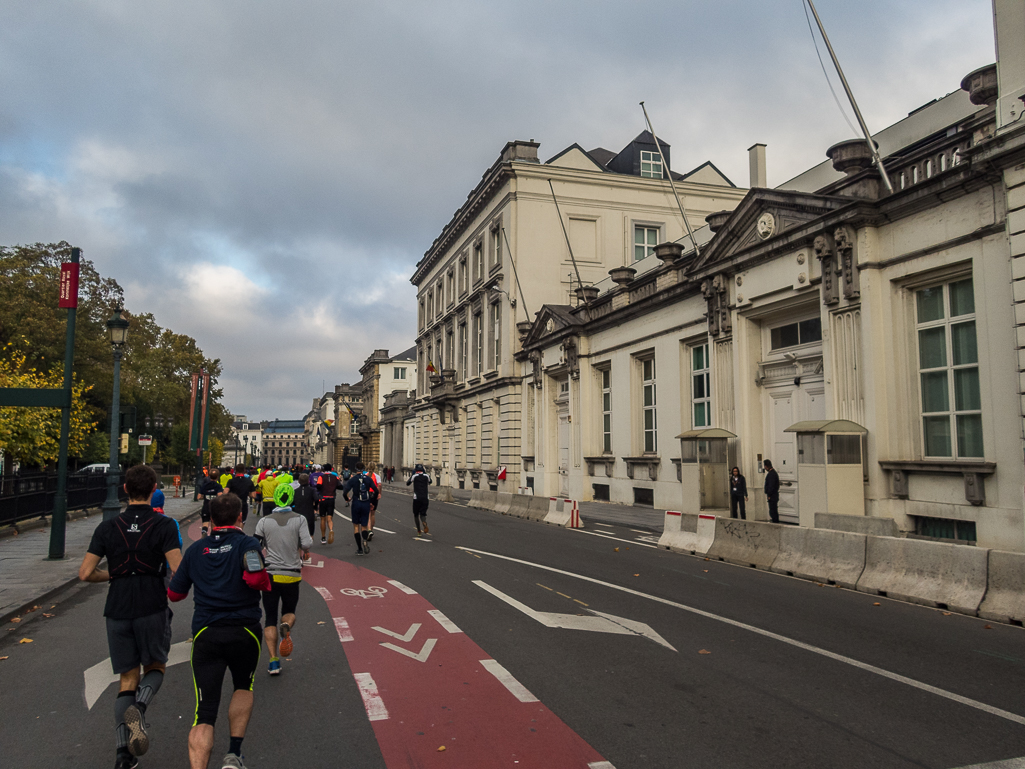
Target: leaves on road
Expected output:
[15,619]
[616,549]
[4,658]
[25,641]
[877,604]
[441,748]
[704,651]
[637,575]
[988,627]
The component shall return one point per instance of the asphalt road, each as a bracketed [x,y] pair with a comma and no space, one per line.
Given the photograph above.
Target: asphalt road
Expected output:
[490,639]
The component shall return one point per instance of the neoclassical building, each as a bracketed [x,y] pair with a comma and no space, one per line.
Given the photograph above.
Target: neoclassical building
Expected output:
[529,234]
[870,343]
[382,375]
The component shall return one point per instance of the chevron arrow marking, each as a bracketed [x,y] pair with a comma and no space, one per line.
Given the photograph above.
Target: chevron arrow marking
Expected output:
[425,652]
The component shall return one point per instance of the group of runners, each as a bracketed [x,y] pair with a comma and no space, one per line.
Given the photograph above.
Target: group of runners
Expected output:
[230,575]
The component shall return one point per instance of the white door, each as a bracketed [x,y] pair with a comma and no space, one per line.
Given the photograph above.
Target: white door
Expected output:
[784,454]
[564,434]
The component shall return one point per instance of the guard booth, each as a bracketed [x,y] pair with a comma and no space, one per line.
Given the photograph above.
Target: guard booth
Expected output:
[705,469]
[830,468]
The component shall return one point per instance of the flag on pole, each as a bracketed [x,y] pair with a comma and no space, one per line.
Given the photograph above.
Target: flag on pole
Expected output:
[430,367]
[351,412]
[501,474]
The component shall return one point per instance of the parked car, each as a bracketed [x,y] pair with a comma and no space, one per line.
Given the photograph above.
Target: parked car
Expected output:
[95,469]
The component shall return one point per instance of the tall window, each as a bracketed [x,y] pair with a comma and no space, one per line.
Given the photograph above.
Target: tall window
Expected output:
[649,403]
[645,240]
[464,368]
[651,165]
[948,362]
[478,261]
[478,333]
[496,246]
[700,380]
[451,287]
[422,313]
[450,349]
[399,373]
[496,334]
[606,411]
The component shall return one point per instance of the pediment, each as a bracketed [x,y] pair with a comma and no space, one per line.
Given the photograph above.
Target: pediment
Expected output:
[764,216]
[550,321]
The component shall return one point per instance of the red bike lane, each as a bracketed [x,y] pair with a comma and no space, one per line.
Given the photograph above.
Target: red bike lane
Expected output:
[426,685]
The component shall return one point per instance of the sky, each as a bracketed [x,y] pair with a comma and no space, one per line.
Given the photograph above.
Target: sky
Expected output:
[264,176]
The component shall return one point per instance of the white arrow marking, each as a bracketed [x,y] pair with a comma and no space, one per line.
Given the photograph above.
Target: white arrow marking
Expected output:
[101,675]
[602,623]
[317,565]
[405,637]
[425,652]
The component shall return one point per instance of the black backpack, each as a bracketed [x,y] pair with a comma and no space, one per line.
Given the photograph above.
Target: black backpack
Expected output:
[364,486]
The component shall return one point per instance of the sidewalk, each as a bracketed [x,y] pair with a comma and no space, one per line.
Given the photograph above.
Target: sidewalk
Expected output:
[27,576]
[595,512]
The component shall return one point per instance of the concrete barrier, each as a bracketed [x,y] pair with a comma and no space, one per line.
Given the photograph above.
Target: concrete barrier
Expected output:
[688,532]
[519,505]
[474,499]
[565,513]
[824,555]
[502,501]
[929,573]
[748,543]
[859,524]
[1005,591]
[537,508]
[445,494]
[483,500]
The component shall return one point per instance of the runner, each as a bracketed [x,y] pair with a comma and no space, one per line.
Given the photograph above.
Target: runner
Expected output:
[241,485]
[420,480]
[228,574]
[372,469]
[305,504]
[327,487]
[139,545]
[225,477]
[366,492]
[283,535]
[267,486]
[208,490]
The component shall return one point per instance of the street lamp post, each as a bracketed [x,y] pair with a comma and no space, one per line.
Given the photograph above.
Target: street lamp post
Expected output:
[117,327]
[245,450]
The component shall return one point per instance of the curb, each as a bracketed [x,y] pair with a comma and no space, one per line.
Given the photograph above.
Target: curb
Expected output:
[53,592]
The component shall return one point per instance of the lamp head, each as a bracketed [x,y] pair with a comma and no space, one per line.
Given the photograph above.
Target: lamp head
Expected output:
[117,328]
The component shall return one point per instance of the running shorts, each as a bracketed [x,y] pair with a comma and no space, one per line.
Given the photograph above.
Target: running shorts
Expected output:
[218,648]
[420,507]
[268,507]
[360,514]
[287,593]
[326,508]
[140,641]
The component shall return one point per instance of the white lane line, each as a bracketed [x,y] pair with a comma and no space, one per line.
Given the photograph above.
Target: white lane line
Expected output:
[640,531]
[325,593]
[608,536]
[101,675]
[599,523]
[444,621]
[344,633]
[600,765]
[1010,763]
[376,528]
[376,711]
[516,689]
[403,588]
[775,636]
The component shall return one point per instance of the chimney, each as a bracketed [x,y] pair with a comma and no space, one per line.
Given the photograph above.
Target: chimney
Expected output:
[756,161]
[1009,25]
[521,150]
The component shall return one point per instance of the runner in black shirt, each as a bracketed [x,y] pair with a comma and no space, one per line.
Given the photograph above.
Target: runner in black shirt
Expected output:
[242,486]
[139,546]
[208,489]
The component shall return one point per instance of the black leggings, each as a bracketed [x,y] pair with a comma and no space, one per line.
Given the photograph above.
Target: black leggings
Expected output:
[214,649]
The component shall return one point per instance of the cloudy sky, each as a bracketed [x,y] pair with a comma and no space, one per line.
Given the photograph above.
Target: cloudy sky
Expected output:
[264,175]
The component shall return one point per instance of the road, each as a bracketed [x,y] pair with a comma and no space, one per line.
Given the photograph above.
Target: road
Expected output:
[499,642]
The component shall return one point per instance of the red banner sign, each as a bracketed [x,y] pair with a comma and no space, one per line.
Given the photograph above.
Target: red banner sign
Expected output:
[69,286]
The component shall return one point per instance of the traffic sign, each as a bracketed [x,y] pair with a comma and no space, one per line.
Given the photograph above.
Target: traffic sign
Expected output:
[145,440]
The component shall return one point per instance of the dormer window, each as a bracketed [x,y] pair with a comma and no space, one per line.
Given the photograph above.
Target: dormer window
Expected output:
[651,165]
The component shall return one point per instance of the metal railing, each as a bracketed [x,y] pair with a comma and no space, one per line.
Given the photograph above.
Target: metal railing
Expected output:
[31,495]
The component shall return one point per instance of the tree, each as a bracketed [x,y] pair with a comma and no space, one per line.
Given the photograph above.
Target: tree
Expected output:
[31,436]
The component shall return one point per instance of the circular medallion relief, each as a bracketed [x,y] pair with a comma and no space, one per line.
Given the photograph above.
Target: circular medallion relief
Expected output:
[766,225]
[550,326]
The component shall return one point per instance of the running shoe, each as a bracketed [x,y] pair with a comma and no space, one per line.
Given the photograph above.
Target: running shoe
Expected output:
[426,530]
[370,535]
[125,761]
[138,740]
[275,667]
[231,761]
[331,537]
[323,540]
[285,647]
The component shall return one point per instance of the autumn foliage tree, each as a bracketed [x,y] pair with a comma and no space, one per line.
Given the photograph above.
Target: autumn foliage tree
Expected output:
[155,371]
